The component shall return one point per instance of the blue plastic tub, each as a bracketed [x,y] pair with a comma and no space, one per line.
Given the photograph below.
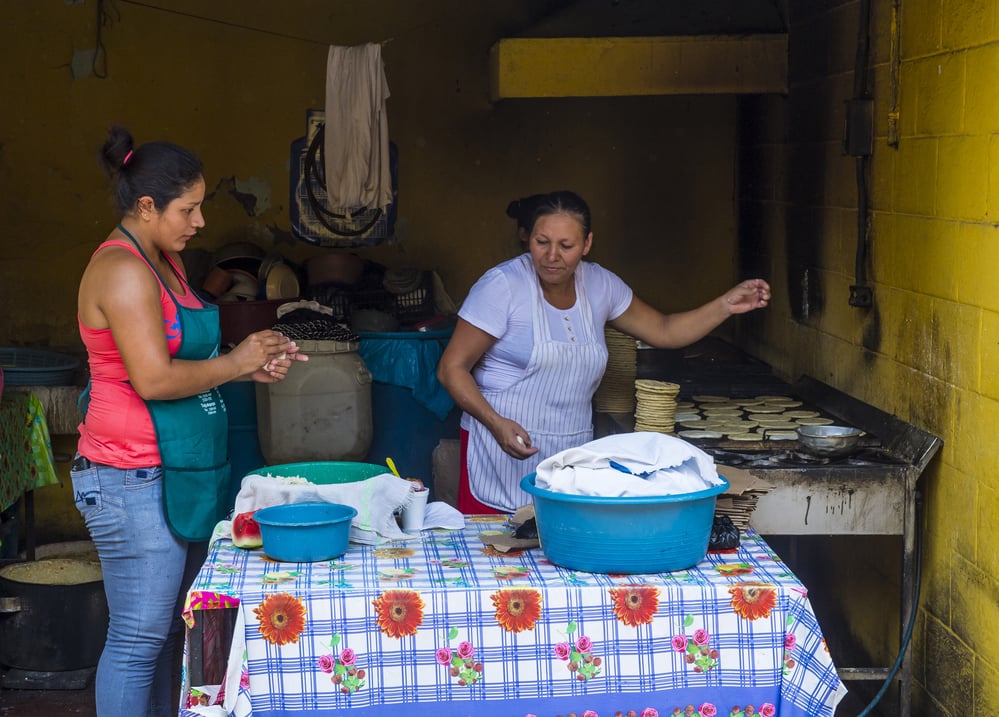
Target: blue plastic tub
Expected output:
[305,532]
[595,534]
[37,367]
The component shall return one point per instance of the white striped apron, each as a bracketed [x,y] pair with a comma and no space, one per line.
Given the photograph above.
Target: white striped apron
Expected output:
[553,403]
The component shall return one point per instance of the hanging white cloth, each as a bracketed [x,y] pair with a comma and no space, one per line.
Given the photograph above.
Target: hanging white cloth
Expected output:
[357,142]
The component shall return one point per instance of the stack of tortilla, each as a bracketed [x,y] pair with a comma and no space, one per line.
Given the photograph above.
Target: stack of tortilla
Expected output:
[655,405]
[616,392]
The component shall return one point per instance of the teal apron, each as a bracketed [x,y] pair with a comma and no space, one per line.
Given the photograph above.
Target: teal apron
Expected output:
[193,432]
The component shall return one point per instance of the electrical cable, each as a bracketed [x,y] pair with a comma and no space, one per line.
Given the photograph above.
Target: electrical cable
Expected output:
[912,616]
[315,172]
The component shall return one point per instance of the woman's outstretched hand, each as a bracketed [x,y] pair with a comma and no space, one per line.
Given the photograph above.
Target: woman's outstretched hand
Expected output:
[747,295]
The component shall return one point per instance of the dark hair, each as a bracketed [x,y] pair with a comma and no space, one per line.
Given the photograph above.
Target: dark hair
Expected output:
[160,170]
[561,202]
[523,210]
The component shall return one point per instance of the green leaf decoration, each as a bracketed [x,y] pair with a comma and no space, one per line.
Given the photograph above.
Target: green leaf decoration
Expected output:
[336,639]
[572,627]
[688,620]
[452,633]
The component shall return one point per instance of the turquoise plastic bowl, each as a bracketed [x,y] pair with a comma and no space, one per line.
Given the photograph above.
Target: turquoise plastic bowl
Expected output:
[325,472]
[595,534]
[305,532]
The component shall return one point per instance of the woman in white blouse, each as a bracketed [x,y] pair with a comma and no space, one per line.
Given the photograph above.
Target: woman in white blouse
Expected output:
[528,351]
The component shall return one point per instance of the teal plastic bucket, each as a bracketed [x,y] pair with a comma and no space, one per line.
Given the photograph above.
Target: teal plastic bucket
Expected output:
[324,472]
[633,535]
[305,532]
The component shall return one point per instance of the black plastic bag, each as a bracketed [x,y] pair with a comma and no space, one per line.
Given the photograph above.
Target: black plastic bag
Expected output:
[724,534]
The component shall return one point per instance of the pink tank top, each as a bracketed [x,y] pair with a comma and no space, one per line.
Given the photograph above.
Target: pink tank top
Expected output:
[118,430]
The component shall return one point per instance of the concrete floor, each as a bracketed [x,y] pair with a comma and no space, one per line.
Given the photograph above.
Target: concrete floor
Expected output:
[43,703]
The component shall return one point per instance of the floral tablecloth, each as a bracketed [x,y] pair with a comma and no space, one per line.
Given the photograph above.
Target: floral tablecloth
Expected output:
[25,447]
[449,627]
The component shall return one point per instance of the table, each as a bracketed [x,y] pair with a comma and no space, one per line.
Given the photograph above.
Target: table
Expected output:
[26,460]
[25,447]
[444,625]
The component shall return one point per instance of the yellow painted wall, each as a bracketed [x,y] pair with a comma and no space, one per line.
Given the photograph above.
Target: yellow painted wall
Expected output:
[927,350]
[232,79]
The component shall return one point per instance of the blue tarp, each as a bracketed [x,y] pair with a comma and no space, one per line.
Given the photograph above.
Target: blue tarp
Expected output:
[409,359]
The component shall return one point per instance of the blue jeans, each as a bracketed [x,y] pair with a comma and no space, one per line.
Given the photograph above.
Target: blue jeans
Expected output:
[144,576]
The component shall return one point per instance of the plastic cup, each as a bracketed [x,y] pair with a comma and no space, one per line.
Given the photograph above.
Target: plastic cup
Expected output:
[413,514]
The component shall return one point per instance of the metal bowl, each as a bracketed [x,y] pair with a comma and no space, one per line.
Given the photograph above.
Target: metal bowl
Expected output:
[829,441]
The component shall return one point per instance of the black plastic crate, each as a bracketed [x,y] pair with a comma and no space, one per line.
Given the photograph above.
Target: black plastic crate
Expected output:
[408,308]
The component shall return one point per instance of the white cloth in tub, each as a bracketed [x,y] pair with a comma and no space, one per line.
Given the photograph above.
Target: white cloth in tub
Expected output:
[672,467]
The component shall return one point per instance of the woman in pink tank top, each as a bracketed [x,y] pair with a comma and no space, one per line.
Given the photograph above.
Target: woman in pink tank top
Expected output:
[143,356]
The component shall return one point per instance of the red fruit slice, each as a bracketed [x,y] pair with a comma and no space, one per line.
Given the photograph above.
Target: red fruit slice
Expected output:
[246,531]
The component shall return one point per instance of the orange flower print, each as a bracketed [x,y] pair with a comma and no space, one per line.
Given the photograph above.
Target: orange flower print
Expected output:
[517,610]
[752,601]
[281,617]
[635,605]
[400,612]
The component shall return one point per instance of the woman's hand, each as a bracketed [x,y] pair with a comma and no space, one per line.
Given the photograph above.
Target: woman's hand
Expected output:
[513,439]
[266,356]
[746,296]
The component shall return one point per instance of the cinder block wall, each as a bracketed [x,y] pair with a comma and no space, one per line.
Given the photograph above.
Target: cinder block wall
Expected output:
[928,349]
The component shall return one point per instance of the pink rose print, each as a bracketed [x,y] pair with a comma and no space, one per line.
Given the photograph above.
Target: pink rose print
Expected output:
[459,663]
[708,710]
[579,655]
[768,710]
[326,663]
[790,641]
[650,712]
[344,675]
[590,713]
[696,651]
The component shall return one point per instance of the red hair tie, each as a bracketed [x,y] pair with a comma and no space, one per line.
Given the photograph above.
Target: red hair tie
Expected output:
[127,157]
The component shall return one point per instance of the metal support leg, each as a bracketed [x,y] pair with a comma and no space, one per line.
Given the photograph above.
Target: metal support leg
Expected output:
[908,591]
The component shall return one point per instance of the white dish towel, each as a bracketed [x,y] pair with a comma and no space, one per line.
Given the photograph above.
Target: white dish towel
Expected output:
[658,465]
[376,499]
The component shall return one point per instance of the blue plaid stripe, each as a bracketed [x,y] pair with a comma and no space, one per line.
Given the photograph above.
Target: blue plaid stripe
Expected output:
[455,578]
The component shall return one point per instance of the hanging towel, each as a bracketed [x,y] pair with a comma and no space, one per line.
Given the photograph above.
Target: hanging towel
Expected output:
[645,463]
[357,144]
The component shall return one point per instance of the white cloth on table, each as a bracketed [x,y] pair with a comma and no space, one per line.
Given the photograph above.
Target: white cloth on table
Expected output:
[356,140]
[376,499]
[670,466]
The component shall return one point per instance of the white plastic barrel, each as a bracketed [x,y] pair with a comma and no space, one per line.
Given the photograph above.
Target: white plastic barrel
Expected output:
[321,411]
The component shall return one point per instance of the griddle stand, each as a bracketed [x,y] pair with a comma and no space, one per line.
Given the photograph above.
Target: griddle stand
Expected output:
[835,499]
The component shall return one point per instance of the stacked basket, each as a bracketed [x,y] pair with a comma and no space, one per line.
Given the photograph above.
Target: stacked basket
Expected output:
[616,392]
